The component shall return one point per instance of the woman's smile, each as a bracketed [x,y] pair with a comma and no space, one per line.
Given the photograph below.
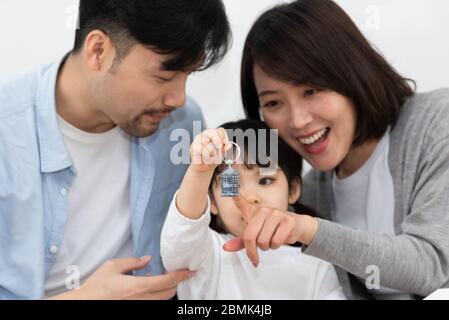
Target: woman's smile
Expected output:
[315,143]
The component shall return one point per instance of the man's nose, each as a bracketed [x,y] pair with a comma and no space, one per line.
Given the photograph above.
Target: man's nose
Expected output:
[176,96]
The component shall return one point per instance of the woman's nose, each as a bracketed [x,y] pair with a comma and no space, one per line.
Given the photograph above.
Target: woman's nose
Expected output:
[300,117]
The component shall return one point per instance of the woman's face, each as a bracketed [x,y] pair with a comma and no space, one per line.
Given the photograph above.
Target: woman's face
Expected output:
[317,123]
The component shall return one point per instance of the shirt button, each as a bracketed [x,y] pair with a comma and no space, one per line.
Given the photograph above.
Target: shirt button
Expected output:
[64,192]
[53,249]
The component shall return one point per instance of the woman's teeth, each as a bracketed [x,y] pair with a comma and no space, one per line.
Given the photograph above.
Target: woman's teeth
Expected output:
[311,140]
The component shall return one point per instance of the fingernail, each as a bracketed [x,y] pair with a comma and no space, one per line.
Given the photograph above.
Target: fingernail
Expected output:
[145,258]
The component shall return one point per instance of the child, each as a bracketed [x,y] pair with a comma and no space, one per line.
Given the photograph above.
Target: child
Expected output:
[192,238]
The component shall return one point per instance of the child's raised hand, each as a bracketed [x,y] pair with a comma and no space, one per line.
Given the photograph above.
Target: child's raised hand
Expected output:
[269,228]
[208,149]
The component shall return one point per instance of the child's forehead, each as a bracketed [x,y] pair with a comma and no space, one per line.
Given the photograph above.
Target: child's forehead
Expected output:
[256,170]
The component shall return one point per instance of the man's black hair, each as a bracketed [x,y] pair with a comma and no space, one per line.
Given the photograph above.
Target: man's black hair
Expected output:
[189,31]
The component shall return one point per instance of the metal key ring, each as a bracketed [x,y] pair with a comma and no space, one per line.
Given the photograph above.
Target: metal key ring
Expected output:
[230,161]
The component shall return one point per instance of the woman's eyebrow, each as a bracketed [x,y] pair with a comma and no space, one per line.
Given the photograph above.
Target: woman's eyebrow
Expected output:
[267,92]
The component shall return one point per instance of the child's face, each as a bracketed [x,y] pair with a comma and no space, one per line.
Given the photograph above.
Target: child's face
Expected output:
[267,191]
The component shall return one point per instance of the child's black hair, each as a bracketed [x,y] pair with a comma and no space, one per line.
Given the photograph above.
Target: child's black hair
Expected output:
[288,160]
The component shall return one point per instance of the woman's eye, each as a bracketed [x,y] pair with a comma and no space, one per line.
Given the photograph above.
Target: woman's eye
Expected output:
[271,104]
[266,181]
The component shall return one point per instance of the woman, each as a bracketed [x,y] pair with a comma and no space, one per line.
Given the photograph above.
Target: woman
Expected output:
[380,152]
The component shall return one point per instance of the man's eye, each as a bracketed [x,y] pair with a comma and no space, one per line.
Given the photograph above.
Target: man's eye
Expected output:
[266,181]
[165,77]
[163,80]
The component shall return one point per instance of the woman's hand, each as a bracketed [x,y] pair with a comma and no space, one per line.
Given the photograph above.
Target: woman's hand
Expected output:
[269,229]
[208,149]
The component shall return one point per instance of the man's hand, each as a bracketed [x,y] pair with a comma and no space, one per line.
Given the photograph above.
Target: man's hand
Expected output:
[109,282]
[270,228]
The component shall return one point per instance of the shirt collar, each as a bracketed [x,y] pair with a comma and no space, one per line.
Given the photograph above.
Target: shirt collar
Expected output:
[54,155]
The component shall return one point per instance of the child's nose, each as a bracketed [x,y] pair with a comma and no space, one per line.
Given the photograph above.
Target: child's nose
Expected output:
[253,199]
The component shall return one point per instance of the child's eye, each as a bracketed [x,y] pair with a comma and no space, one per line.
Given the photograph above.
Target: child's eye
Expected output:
[310,92]
[266,181]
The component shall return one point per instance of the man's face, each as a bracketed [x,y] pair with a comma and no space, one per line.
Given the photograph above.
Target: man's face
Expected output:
[136,94]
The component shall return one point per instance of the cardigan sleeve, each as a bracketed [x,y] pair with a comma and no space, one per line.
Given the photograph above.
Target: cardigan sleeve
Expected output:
[415,261]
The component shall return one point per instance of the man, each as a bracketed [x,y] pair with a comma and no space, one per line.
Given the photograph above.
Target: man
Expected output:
[85,172]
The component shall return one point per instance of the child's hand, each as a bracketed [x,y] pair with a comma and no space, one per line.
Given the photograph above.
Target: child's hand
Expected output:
[207,152]
[270,228]
[208,149]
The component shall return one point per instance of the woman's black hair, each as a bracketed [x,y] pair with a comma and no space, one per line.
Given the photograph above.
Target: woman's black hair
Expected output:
[314,42]
[189,31]
[288,160]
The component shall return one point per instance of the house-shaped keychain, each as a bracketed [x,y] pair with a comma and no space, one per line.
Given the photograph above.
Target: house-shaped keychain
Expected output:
[229,182]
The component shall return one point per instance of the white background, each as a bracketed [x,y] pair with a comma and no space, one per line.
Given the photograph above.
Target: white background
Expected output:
[412,34]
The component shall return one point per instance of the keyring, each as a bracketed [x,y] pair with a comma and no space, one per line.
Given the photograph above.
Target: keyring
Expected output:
[230,161]
[230,177]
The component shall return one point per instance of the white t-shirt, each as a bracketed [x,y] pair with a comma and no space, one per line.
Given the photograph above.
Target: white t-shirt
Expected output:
[284,274]
[365,201]
[98,227]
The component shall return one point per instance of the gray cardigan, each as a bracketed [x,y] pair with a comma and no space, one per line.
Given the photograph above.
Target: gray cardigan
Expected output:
[416,259]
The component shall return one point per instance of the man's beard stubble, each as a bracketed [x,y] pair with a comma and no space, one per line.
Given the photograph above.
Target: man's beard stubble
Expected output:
[134,127]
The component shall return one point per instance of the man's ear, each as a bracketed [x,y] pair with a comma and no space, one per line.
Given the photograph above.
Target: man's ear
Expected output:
[98,51]
[295,191]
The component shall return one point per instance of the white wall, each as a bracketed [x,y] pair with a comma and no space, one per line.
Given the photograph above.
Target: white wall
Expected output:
[412,34]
